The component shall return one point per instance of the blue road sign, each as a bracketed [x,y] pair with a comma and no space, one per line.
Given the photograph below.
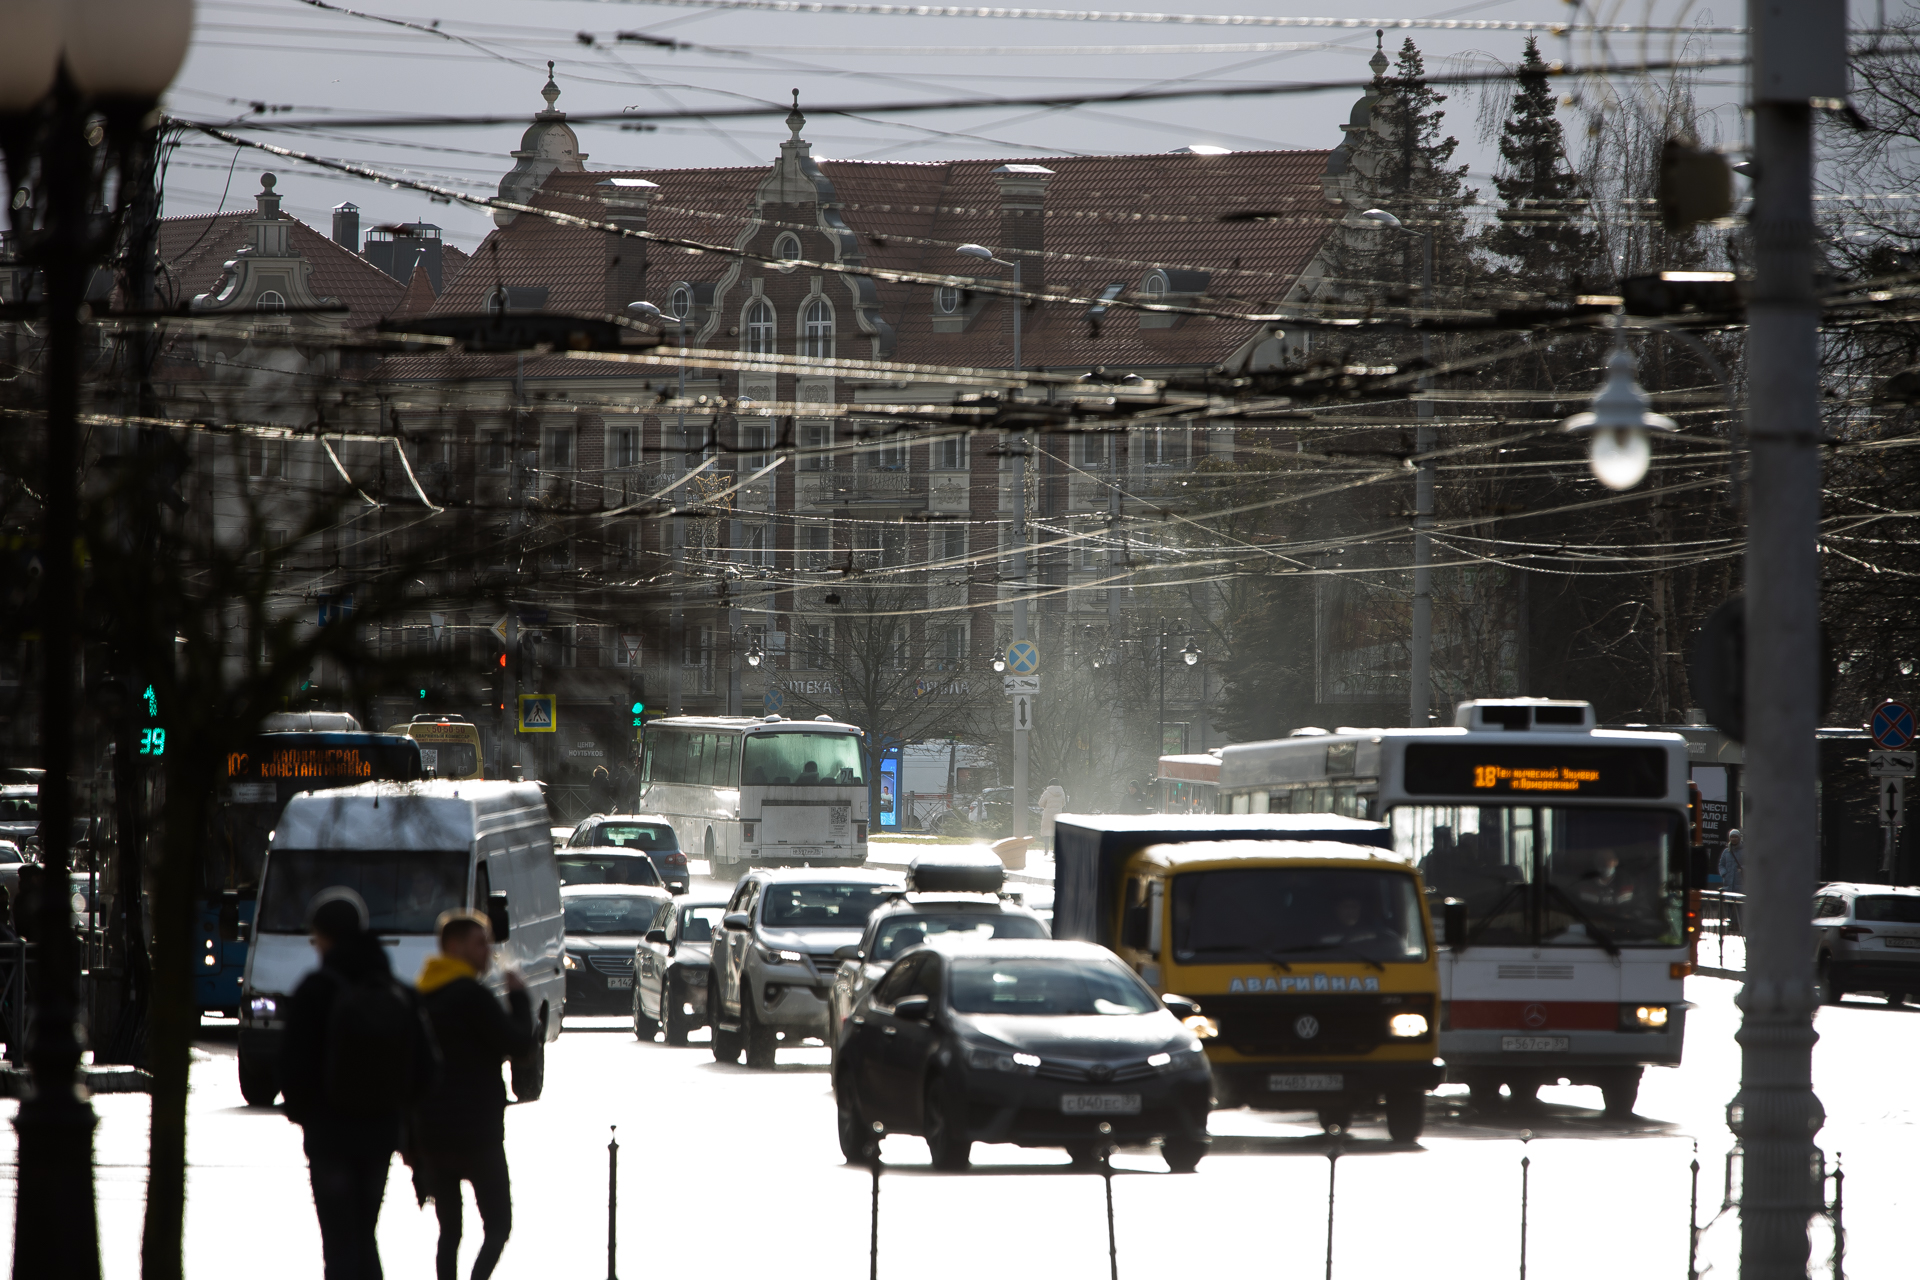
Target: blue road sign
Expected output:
[774,701]
[537,714]
[1022,658]
[1893,725]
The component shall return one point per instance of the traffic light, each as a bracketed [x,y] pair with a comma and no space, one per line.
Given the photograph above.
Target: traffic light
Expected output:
[639,711]
[497,684]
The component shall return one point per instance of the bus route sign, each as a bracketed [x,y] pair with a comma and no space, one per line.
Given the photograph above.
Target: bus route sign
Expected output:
[1893,725]
[1543,772]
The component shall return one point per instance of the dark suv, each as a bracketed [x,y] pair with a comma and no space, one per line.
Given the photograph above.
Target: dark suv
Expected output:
[1867,938]
[631,833]
[773,965]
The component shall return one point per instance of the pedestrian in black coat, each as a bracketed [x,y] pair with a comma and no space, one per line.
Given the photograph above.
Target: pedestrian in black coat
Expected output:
[349,1141]
[460,1129]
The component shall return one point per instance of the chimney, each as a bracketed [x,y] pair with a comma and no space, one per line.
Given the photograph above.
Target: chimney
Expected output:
[269,229]
[1023,219]
[346,226]
[626,202]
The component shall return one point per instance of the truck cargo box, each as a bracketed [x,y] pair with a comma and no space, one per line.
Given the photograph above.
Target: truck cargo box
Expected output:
[1089,850]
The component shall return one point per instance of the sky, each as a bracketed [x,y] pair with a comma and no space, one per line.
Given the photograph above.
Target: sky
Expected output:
[317,63]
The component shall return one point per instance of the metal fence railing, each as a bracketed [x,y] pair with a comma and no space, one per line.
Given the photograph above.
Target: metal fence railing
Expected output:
[1723,943]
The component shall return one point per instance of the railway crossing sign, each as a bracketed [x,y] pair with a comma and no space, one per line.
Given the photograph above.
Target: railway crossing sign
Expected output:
[1023,659]
[1023,711]
[1893,726]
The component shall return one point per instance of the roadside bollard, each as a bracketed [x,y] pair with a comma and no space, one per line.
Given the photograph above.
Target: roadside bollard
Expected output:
[1336,1132]
[1526,1165]
[613,1199]
[1693,1218]
[873,1243]
[1106,1175]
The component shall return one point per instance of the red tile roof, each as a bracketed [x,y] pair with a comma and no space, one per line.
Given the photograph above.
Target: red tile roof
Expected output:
[419,296]
[193,248]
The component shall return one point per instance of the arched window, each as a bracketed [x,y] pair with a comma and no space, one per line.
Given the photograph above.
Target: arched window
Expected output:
[816,329]
[1154,286]
[681,303]
[946,299]
[759,328]
[786,245]
[270,301]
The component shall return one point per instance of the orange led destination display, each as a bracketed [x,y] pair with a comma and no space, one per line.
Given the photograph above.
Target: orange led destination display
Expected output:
[301,762]
[1535,771]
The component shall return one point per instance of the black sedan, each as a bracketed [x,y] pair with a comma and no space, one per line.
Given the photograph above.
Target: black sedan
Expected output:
[604,922]
[1039,1043]
[670,970]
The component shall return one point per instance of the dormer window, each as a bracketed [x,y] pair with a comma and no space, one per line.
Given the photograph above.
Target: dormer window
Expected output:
[946,299]
[1154,287]
[680,303]
[786,245]
[270,301]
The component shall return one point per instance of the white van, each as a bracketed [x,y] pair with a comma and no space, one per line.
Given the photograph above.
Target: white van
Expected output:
[412,850]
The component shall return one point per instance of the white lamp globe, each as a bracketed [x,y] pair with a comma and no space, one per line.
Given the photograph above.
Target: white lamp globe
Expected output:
[128,49]
[29,52]
[1619,458]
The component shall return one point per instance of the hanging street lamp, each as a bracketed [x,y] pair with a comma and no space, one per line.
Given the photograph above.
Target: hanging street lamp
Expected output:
[1616,427]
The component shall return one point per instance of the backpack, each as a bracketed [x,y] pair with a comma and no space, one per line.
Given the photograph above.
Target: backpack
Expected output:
[373,1036]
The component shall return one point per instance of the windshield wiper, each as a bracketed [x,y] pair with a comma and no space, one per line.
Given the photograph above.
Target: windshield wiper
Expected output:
[1516,889]
[1334,946]
[1594,931]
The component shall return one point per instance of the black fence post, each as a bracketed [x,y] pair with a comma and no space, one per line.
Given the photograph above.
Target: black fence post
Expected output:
[1693,1219]
[1839,1219]
[1333,1163]
[873,1242]
[1106,1175]
[1526,1166]
[613,1199]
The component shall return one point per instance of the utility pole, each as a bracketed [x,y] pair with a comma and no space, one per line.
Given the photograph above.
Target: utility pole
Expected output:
[1020,780]
[1420,677]
[1798,58]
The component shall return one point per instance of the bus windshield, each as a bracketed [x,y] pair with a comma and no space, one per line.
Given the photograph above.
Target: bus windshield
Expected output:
[1285,915]
[803,760]
[1553,876]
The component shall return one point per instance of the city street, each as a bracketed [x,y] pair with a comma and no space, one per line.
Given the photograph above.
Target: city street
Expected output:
[722,1167]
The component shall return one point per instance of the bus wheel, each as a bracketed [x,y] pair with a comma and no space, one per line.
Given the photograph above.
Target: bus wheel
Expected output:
[1406,1115]
[1619,1093]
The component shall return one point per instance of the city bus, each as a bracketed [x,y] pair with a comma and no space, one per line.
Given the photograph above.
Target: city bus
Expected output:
[449,746]
[258,780]
[1556,855]
[745,792]
[1189,783]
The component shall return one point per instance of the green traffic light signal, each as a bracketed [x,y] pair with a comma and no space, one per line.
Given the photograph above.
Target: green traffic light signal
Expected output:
[639,709]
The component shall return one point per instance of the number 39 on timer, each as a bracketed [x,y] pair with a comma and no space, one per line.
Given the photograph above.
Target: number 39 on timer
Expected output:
[153,742]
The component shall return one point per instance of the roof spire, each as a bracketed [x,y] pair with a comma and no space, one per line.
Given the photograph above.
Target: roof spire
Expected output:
[552,92]
[1379,59]
[795,120]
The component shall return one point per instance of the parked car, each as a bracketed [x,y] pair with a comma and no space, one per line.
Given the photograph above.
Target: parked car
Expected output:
[605,922]
[671,966]
[948,894]
[1041,1043]
[11,860]
[635,833]
[1866,938]
[773,968]
[20,814]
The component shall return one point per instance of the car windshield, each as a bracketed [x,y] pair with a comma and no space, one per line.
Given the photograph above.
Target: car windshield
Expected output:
[803,760]
[698,923]
[607,868]
[897,933]
[634,835]
[405,889]
[1307,912]
[1889,908]
[449,759]
[1562,877]
[19,808]
[1048,988]
[820,906]
[609,913]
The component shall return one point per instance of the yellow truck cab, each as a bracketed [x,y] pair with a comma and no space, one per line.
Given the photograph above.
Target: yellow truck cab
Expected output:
[1311,961]
[449,746]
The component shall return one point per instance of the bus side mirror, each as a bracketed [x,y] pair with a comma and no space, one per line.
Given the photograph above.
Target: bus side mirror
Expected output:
[736,920]
[497,915]
[1453,915]
[230,917]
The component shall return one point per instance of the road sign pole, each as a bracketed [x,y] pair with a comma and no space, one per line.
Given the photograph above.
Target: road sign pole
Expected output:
[1020,784]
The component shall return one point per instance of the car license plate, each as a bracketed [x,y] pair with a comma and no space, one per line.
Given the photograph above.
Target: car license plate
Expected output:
[619,984]
[1907,943]
[1100,1104]
[1533,1044]
[1306,1084]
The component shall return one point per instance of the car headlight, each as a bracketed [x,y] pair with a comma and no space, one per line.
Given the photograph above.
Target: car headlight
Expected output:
[1179,1058]
[263,1006]
[1407,1026]
[994,1060]
[1202,1027]
[571,962]
[772,956]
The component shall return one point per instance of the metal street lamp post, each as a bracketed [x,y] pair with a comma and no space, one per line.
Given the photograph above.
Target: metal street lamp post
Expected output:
[1020,780]
[1420,674]
[61,66]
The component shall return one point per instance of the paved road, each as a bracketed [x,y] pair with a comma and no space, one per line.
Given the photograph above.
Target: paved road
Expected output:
[723,1167]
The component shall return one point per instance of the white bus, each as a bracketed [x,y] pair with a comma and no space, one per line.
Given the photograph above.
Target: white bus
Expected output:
[1557,856]
[744,792]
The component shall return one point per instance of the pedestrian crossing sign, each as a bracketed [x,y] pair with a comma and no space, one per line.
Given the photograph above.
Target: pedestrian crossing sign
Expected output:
[537,713]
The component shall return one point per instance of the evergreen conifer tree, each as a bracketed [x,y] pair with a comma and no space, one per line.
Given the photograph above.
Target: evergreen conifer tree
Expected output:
[1542,228]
